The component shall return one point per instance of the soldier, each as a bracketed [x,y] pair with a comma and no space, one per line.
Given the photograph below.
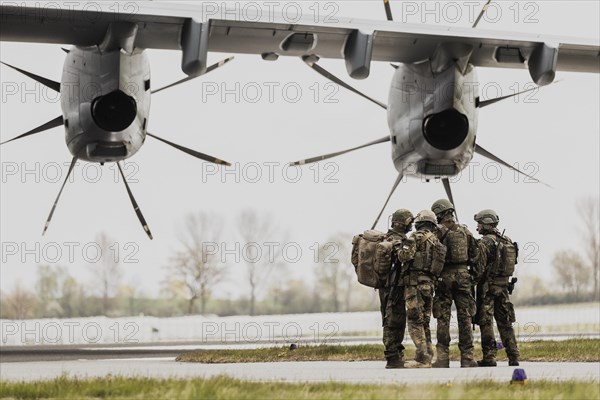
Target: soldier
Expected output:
[393,312]
[497,259]
[422,256]
[454,285]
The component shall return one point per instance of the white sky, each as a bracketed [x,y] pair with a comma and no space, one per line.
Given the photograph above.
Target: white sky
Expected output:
[558,135]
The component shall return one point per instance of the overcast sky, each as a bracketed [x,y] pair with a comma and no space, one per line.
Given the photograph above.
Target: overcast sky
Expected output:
[557,137]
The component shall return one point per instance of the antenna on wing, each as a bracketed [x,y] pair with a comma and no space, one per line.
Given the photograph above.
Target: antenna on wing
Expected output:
[483,11]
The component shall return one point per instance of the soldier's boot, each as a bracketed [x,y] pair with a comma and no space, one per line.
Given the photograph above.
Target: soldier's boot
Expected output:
[513,357]
[513,361]
[394,362]
[426,363]
[443,358]
[422,358]
[468,363]
[430,350]
[487,362]
[441,363]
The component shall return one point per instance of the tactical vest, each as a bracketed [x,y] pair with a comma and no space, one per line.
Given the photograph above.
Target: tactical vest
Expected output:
[372,258]
[505,258]
[430,254]
[457,242]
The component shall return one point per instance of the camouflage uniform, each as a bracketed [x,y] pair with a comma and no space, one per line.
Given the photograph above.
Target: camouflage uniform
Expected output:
[419,286]
[495,304]
[455,284]
[393,313]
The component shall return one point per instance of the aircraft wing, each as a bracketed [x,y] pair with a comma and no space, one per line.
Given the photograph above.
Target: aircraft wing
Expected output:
[162,26]
[403,43]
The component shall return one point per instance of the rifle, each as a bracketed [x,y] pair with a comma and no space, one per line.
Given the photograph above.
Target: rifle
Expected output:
[511,285]
[483,285]
[396,273]
[477,305]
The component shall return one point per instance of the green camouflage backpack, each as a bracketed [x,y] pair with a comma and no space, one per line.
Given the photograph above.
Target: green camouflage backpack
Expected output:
[430,254]
[372,258]
[457,242]
[507,254]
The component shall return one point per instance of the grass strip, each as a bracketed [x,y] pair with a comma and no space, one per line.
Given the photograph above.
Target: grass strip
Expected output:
[573,350]
[114,387]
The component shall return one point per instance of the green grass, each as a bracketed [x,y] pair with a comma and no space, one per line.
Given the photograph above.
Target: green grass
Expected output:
[229,388]
[574,350]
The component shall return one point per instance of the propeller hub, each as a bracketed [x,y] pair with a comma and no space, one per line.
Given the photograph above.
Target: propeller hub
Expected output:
[115,111]
[446,130]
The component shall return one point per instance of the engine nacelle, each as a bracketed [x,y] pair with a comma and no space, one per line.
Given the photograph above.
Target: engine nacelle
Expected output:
[433,119]
[105,98]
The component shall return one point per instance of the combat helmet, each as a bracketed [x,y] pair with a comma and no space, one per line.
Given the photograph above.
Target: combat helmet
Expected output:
[487,217]
[425,216]
[403,216]
[441,206]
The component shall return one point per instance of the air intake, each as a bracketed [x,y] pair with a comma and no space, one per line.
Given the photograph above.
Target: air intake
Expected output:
[446,130]
[114,112]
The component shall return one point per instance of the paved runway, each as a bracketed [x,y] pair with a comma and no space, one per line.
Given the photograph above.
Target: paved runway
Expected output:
[321,371]
[31,363]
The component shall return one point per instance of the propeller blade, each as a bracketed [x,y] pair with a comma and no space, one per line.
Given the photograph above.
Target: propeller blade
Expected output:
[331,155]
[191,152]
[398,180]
[448,190]
[136,208]
[388,10]
[311,63]
[485,103]
[65,50]
[485,7]
[189,78]
[58,197]
[483,152]
[58,121]
[46,82]
[395,66]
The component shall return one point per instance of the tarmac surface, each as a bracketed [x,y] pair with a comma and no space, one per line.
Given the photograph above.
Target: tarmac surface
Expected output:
[371,372]
[33,363]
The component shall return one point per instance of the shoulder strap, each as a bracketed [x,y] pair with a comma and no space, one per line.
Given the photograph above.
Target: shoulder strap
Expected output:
[427,236]
[445,234]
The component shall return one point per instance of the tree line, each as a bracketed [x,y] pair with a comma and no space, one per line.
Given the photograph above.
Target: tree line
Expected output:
[195,269]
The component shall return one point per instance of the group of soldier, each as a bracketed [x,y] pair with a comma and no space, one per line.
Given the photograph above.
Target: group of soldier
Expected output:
[440,263]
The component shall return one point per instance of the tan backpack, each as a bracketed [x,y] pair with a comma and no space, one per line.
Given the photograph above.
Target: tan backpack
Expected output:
[432,255]
[372,258]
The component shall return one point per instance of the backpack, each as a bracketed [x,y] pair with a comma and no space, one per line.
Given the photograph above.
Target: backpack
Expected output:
[507,254]
[457,242]
[430,256]
[372,258]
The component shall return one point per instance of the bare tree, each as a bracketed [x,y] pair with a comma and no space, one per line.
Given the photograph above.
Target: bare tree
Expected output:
[129,292]
[572,273]
[589,212]
[49,287]
[335,274]
[19,304]
[198,267]
[71,297]
[261,250]
[106,272]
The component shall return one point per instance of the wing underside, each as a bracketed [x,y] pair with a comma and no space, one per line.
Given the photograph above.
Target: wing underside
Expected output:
[162,28]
